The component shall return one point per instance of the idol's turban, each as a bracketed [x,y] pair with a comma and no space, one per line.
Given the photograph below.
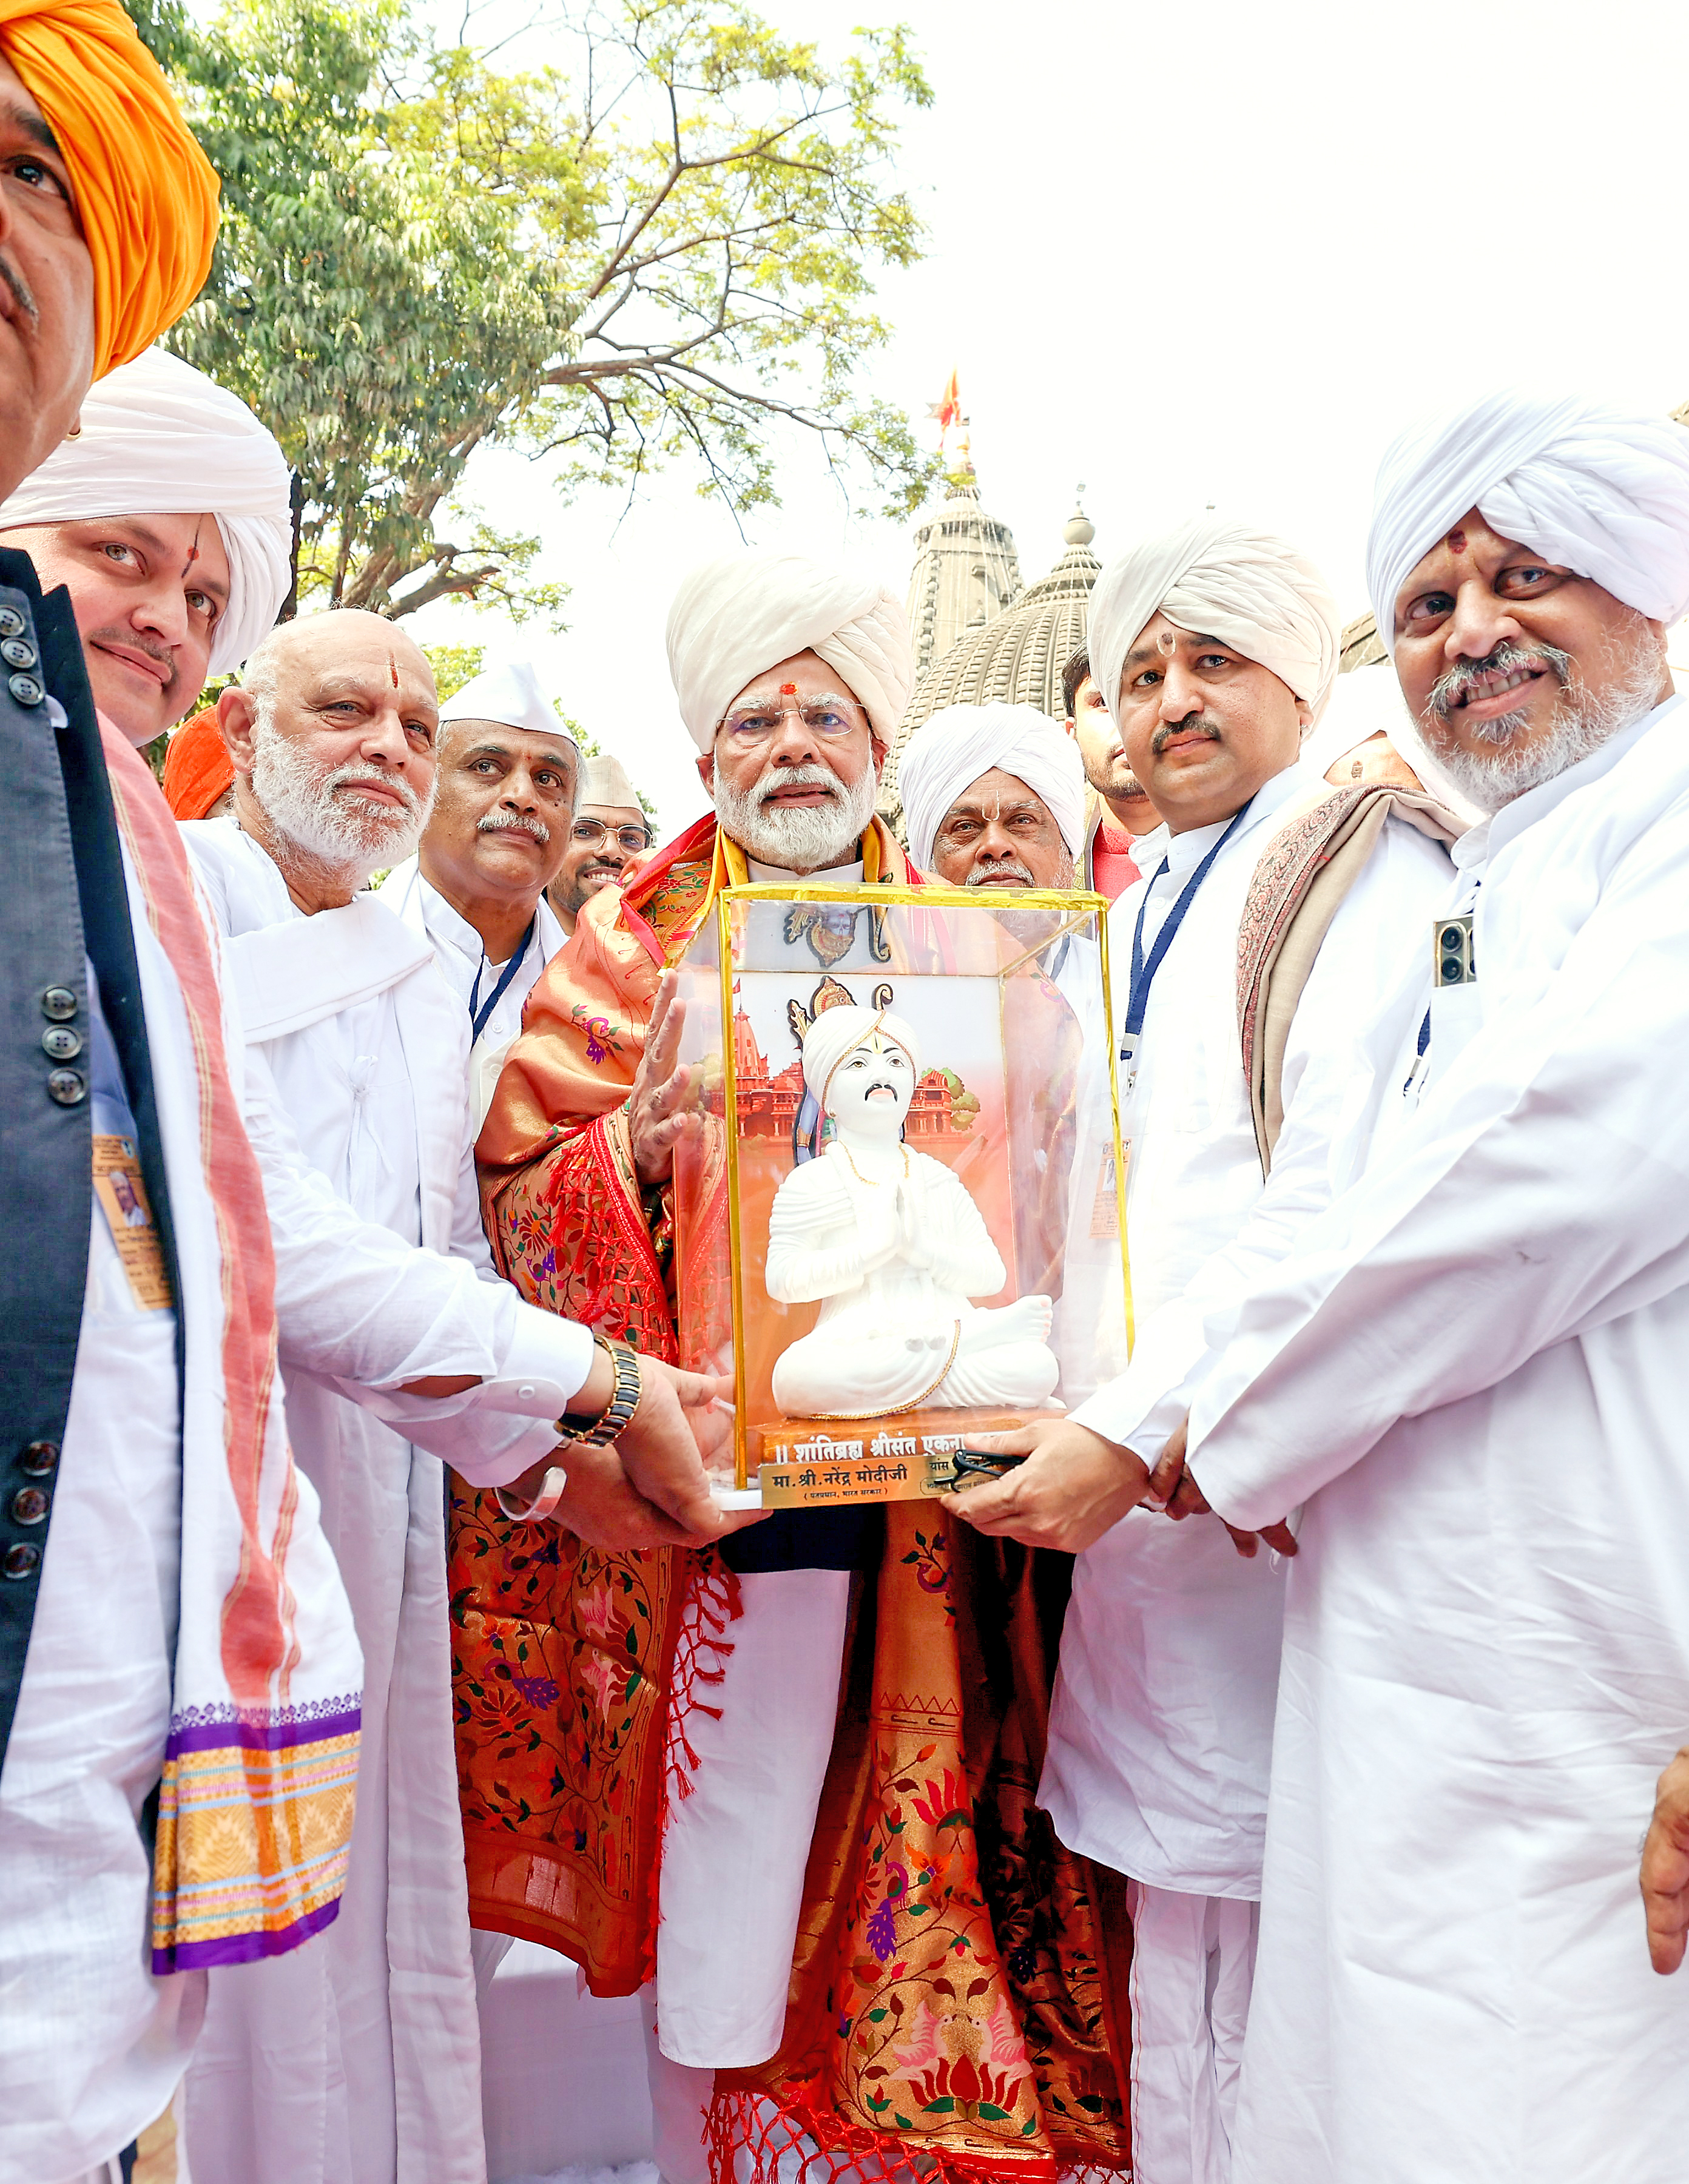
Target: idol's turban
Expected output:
[948,753]
[1219,579]
[837,1031]
[733,619]
[1591,489]
[146,192]
[160,439]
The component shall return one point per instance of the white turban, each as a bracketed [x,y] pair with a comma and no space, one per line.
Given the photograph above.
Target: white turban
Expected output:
[1219,579]
[160,439]
[1589,489]
[949,752]
[733,619]
[839,1031]
[509,694]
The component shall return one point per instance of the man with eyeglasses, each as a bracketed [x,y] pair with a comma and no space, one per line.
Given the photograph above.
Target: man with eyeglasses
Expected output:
[609,830]
[474,888]
[691,1746]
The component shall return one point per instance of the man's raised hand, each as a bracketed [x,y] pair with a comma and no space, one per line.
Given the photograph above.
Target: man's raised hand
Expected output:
[658,1114]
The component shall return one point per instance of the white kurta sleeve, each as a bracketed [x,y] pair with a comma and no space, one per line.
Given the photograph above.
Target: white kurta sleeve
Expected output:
[1541,1190]
[358,1306]
[1340,1054]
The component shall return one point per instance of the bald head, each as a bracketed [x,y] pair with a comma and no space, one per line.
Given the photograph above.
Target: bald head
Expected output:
[332,736]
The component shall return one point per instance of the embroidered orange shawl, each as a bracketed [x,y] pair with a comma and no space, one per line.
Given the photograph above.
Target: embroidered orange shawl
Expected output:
[955,1987]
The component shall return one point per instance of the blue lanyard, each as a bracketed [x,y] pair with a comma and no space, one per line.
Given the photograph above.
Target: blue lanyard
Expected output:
[479,1014]
[1144,972]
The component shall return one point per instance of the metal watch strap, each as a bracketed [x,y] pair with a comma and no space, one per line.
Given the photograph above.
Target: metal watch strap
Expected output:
[624,1398]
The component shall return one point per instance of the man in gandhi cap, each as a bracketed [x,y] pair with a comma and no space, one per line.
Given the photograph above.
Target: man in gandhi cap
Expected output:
[690,1740]
[507,772]
[609,831]
[1471,1372]
[1217,647]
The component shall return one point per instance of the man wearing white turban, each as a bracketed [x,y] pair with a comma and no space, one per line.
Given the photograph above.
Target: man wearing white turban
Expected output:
[993,796]
[792,677]
[1471,1373]
[1216,647]
[166,517]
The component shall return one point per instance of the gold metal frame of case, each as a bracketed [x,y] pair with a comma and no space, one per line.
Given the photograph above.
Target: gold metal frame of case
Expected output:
[1076,904]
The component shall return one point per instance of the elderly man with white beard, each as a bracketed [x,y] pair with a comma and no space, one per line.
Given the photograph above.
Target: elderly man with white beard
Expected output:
[360,2061]
[1216,646]
[791,678]
[700,1747]
[1470,1374]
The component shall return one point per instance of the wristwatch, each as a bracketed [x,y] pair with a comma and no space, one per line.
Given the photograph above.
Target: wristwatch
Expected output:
[611,1423]
[624,1400]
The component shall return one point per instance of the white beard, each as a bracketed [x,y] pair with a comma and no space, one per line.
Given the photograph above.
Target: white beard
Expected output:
[1504,769]
[808,839]
[301,804]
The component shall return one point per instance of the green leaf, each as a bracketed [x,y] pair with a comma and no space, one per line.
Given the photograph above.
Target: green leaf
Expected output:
[945,2105]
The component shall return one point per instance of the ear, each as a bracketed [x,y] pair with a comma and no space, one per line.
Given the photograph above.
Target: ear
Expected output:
[236,713]
[706,770]
[1304,716]
[878,752]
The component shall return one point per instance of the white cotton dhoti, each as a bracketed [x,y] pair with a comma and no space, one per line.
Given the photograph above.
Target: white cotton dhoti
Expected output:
[1193,1965]
[735,1849]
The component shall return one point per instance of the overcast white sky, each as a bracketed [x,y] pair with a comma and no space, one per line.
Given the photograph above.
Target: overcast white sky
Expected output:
[1194,253]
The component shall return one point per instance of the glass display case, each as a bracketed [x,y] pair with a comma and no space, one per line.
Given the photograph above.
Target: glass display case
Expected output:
[900,1220]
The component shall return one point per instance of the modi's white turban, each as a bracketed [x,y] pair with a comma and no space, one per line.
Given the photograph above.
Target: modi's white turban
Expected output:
[1589,489]
[949,752]
[509,694]
[837,1031]
[160,439]
[1219,579]
[733,619]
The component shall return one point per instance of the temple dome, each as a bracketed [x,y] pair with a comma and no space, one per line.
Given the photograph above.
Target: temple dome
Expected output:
[1017,657]
[966,570]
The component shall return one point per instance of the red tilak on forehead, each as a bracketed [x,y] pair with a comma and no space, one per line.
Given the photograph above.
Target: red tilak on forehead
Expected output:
[789,689]
[393,669]
[1456,540]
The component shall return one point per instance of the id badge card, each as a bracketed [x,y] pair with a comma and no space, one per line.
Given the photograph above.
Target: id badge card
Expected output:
[122,1192]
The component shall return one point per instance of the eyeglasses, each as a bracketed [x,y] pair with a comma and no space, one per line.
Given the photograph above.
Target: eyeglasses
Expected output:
[632,838]
[828,716]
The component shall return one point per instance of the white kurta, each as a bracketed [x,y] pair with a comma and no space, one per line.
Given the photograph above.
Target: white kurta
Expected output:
[1161,1725]
[462,959]
[1474,1369]
[356,2059]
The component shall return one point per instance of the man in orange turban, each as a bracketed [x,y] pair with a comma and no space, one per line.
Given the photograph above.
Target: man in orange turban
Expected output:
[107,213]
[199,776]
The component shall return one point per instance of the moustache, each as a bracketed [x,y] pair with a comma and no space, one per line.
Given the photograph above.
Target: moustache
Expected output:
[1452,688]
[20,292]
[1192,724]
[514,822]
[132,641]
[796,776]
[343,776]
[982,875]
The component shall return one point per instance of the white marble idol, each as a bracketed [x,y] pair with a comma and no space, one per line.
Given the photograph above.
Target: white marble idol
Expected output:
[893,1245]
